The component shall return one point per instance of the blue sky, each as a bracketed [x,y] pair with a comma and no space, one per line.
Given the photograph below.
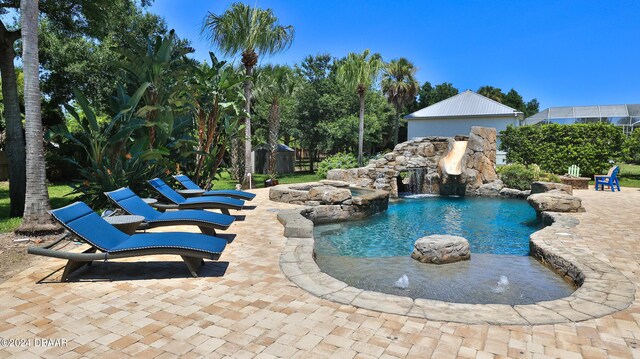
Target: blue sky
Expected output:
[561,52]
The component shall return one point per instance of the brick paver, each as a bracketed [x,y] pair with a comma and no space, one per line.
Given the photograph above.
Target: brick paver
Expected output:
[244,307]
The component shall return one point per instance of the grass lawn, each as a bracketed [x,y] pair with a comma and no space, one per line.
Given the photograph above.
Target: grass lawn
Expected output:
[225,182]
[57,195]
[629,175]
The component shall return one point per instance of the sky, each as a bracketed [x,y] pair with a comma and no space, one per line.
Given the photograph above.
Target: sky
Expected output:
[564,53]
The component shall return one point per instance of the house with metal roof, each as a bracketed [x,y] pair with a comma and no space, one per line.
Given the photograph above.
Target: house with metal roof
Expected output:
[456,115]
[626,116]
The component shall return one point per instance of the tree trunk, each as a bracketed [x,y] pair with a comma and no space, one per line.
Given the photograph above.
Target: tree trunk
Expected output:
[15,144]
[36,220]
[274,128]
[311,159]
[237,154]
[247,128]
[361,130]
[396,127]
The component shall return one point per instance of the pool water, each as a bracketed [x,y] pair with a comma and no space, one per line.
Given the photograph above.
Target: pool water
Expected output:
[491,225]
[373,254]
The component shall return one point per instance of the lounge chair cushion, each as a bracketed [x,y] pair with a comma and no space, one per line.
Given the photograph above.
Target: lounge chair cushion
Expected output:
[88,225]
[166,191]
[130,202]
[231,202]
[190,241]
[189,184]
[93,229]
[231,193]
[217,219]
[173,196]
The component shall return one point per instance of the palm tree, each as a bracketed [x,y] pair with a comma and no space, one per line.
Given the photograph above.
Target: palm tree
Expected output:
[491,92]
[359,72]
[400,86]
[250,32]
[15,143]
[274,83]
[35,220]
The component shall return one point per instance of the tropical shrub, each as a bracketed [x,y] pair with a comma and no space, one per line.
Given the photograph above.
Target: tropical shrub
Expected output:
[214,96]
[107,157]
[339,160]
[556,147]
[632,147]
[517,176]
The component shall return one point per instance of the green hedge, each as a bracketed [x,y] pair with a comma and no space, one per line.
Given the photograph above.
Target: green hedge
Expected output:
[556,147]
[632,147]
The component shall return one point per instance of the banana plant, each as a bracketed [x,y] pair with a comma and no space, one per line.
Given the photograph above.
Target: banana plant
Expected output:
[161,63]
[214,93]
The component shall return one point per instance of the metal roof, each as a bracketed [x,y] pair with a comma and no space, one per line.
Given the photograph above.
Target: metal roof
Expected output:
[467,103]
[603,111]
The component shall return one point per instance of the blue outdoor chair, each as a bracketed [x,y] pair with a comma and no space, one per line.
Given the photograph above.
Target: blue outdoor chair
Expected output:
[208,222]
[80,220]
[610,179]
[224,204]
[189,184]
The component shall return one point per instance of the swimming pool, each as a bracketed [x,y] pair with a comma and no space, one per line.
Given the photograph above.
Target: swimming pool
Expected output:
[373,254]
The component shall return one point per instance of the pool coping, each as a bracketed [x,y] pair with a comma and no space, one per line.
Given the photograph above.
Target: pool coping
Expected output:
[602,289]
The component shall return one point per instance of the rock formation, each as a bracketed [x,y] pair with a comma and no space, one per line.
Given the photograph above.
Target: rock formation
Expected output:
[555,201]
[441,249]
[416,165]
[542,187]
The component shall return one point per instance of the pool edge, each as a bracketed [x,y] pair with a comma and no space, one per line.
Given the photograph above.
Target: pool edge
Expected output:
[602,289]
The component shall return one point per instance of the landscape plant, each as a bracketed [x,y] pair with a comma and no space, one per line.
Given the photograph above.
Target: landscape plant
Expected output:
[160,63]
[214,94]
[74,18]
[517,176]
[632,147]
[108,156]
[250,32]
[35,219]
[555,147]
[274,84]
[358,72]
[400,87]
[337,161]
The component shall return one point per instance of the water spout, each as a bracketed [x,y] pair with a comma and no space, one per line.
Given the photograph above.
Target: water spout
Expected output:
[503,283]
[402,282]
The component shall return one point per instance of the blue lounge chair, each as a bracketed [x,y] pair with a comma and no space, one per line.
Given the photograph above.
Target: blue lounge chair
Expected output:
[80,220]
[610,179]
[189,184]
[208,222]
[224,204]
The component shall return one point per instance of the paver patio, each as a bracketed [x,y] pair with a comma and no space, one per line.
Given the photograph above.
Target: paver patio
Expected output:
[244,307]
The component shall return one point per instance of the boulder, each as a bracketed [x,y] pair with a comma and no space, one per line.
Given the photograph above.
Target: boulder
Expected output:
[514,193]
[441,249]
[338,175]
[491,189]
[542,187]
[555,202]
[335,183]
[329,194]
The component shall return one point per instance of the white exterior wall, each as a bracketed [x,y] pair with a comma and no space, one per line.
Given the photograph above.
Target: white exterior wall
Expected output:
[450,127]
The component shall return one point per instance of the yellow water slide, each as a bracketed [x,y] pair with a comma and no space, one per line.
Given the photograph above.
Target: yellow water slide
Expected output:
[452,163]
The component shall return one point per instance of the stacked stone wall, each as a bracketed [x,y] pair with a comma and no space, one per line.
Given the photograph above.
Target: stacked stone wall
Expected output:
[424,155]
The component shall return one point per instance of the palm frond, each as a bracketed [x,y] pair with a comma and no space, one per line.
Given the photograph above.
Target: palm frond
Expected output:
[243,28]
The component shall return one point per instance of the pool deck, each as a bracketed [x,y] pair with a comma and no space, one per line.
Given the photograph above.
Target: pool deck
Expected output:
[245,307]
